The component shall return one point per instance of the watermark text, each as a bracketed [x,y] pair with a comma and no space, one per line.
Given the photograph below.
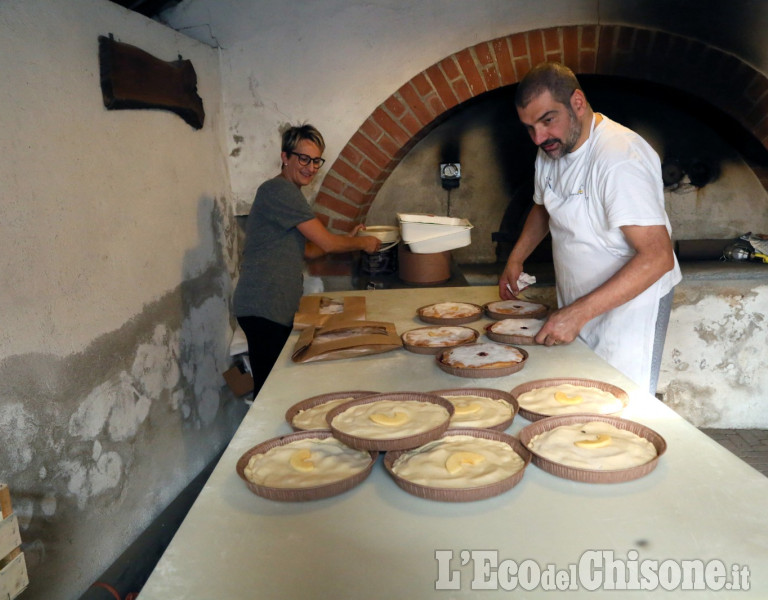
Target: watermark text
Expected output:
[594,569]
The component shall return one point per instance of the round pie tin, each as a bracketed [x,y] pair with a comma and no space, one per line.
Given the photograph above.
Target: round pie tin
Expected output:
[480,372]
[593,475]
[484,393]
[477,314]
[314,401]
[299,494]
[395,442]
[531,415]
[491,310]
[471,334]
[464,494]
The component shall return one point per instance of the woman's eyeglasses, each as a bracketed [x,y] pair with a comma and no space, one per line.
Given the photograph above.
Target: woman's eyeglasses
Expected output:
[305,159]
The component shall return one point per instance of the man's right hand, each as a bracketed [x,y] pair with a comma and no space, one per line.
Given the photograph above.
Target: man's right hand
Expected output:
[508,281]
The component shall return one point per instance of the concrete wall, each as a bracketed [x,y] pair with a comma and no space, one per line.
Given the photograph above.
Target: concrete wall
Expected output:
[118,252]
[713,370]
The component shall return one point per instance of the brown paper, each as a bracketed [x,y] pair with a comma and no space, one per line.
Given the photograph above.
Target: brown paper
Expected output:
[238,381]
[345,339]
[310,314]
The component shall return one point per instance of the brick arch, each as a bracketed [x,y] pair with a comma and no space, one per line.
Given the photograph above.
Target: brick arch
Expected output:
[387,135]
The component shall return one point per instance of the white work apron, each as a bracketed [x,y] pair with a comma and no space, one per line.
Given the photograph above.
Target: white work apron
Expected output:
[583,261]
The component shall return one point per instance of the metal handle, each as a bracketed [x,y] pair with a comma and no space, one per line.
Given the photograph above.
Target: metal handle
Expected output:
[385,247]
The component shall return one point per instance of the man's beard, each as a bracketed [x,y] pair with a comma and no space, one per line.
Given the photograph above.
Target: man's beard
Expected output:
[564,147]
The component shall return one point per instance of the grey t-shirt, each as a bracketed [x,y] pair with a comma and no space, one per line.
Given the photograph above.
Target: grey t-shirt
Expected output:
[271,283]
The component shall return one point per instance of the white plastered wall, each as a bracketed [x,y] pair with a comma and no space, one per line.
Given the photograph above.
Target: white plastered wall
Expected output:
[94,196]
[117,254]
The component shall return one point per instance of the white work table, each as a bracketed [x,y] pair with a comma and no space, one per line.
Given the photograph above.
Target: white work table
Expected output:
[377,541]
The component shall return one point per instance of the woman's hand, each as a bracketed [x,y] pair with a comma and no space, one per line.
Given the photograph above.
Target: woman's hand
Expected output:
[328,242]
[370,244]
[367,240]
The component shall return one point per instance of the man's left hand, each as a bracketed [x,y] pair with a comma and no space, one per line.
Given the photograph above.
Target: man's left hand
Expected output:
[562,327]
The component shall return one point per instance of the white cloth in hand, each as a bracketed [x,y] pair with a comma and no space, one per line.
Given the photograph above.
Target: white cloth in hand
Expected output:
[523,282]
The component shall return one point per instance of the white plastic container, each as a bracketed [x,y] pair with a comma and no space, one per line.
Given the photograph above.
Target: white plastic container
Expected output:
[415,227]
[441,243]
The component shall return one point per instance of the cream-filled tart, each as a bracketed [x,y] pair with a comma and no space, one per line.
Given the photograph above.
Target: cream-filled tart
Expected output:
[568,398]
[439,336]
[478,411]
[458,461]
[314,417]
[389,419]
[594,445]
[482,356]
[305,463]
[517,327]
[515,308]
[450,310]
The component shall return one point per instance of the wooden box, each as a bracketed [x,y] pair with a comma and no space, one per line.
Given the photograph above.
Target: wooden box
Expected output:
[13,568]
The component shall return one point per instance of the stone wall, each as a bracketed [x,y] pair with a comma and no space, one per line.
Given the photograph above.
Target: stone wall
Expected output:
[713,371]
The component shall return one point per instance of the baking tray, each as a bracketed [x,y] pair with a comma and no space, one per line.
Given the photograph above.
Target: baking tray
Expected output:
[539,383]
[478,372]
[472,336]
[394,443]
[294,410]
[299,494]
[488,307]
[592,475]
[485,393]
[510,338]
[450,321]
[464,494]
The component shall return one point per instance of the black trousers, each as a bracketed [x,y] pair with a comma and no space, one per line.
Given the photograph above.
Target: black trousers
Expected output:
[265,342]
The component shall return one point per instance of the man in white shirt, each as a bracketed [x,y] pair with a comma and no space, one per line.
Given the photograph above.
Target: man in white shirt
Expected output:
[599,191]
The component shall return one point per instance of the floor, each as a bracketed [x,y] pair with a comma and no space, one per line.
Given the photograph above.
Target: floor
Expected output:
[751,445]
[132,569]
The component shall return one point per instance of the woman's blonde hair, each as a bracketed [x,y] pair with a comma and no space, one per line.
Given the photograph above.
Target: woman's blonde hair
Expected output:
[293,135]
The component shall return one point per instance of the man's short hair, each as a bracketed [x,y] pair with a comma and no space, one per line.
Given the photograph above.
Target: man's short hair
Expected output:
[293,135]
[552,77]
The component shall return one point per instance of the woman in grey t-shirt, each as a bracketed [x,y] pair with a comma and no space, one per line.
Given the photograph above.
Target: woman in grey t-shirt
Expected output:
[281,231]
